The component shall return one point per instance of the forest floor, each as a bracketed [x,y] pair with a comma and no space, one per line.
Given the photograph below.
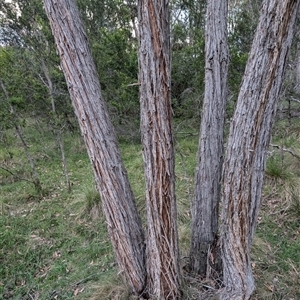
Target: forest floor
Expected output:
[54,243]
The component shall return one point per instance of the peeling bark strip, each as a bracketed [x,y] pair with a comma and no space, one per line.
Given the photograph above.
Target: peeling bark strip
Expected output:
[124,224]
[163,274]
[249,138]
[205,208]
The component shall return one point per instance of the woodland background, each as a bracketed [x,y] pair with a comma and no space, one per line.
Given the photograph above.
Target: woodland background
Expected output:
[53,237]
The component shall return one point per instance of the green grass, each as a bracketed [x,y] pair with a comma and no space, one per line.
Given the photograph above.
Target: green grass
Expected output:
[54,244]
[50,246]
[276,168]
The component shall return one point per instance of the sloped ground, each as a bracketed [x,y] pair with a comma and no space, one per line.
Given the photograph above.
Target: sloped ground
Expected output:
[54,245]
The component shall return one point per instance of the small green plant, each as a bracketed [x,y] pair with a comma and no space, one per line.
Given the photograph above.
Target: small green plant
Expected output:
[276,169]
[56,246]
[93,204]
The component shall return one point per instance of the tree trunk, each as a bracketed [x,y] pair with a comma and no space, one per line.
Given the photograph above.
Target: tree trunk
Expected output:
[58,131]
[248,143]
[297,60]
[205,206]
[124,224]
[163,273]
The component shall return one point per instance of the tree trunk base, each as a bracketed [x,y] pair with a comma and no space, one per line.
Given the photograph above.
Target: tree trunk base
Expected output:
[237,294]
[207,261]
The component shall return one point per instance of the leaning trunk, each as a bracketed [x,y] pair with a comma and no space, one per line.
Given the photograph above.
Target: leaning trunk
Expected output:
[163,274]
[204,256]
[124,225]
[248,143]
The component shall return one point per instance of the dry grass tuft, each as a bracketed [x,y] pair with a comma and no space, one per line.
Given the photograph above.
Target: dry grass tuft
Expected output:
[276,247]
[113,289]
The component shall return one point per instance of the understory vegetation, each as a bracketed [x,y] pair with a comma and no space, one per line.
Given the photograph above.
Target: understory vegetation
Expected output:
[53,234]
[54,243]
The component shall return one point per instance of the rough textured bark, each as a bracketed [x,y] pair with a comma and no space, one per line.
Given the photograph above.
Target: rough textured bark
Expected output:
[248,142]
[297,36]
[163,273]
[210,154]
[124,225]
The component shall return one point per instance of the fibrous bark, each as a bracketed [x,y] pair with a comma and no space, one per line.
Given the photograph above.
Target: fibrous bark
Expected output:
[163,273]
[205,206]
[248,141]
[123,222]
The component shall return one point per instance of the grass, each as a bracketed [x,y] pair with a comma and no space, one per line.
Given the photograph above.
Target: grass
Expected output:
[54,244]
[276,249]
[50,246]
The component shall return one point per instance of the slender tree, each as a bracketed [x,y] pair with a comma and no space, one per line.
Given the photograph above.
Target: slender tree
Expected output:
[58,131]
[123,222]
[248,142]
[163,272]
[204,237]
[19,132]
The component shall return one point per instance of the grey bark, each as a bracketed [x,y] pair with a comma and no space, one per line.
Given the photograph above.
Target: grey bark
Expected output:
[163,272]
[248,143]
[123,222]
[205,207]
[58,132]
[297,60]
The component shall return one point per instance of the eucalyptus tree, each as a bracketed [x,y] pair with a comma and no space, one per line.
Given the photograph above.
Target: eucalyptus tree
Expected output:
[154,271]
[15,99]
[162,251]
[248,141]
[123,222]
[30,24]
[205,207]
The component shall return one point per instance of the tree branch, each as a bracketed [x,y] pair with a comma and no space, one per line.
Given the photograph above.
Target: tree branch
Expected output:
[134,84]
[16,176]
[286,150]
[295,100]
